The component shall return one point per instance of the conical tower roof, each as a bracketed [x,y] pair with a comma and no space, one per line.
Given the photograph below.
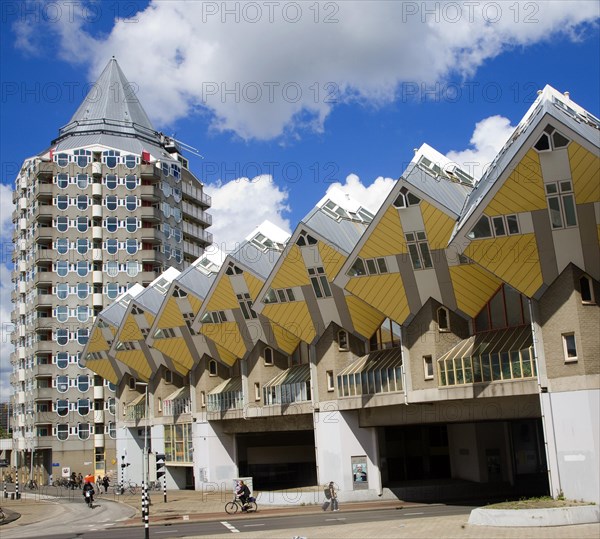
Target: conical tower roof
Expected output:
[110,113]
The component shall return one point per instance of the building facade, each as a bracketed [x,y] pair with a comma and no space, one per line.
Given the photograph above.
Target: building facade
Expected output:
[109,204]
[446,346]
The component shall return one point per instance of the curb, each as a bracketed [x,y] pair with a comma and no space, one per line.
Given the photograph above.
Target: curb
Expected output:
[558,516]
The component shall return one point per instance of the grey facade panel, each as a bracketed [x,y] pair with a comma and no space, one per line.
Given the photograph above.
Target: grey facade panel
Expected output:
[545,245]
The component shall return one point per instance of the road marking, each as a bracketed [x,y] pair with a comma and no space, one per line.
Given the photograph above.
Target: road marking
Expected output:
[231,528]
[250,525]
[406,514]
[169,531]
[335,519]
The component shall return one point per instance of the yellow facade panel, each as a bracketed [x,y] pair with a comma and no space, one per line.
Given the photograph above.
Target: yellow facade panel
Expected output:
[171,315]
[136,360]
[473,287]
[438,225]
[104,368]
[226,356]
[97,342]
[585,172]
[522,191]
[387,238]
[223,296]
[292,271]
[513,259]
[177,350]
[149,318]
[365,318]
[384,292]
[227,334]
[332,259]
[254,285]
[131,330]
[293,316]
[195,303]
[285,340]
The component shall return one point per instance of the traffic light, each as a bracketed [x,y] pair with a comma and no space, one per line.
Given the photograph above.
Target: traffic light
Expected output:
[160,465]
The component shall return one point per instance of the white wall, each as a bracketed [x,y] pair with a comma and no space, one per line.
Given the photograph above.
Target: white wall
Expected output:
[338,438]
[132,447]
[576,427]
[215,463]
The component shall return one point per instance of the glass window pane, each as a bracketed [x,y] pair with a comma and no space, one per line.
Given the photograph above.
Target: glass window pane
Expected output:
[570,211]
[427,263]
[555,216]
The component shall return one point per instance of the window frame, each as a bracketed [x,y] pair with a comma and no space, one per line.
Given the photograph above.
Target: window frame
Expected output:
[427,363]
[567,357]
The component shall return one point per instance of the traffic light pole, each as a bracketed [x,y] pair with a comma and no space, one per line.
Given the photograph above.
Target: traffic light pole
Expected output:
[165,488]
[162,472]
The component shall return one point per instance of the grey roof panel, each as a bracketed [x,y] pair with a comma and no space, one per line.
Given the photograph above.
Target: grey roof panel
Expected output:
[344,233]
[259,261]
[150,299]
[124,143]
[451,195]
[196,281]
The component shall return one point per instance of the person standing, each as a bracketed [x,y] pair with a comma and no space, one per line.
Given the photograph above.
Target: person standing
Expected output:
[105,483]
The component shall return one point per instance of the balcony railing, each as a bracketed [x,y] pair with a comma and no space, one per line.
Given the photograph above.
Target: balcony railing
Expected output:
[176,407]
[376,373]
[135,412]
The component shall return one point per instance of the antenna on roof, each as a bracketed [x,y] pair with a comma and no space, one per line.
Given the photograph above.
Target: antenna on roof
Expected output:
[183,145]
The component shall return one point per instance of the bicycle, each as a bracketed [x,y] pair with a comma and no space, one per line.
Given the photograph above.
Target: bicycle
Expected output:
[32,484]
[155,485]
[232,507]
[129,488]
[2,515]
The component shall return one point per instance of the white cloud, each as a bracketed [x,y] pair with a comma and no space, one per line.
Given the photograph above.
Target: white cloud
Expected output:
[271,69]
[238,206]
[489,136]
[371,197]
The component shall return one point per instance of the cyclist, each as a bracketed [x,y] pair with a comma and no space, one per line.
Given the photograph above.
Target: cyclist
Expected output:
[243,493]
[88,493]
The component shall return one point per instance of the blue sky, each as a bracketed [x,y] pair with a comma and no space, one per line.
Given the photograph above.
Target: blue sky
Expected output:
[301,94]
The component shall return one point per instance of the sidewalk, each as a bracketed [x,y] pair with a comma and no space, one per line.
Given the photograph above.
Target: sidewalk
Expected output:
[196,506]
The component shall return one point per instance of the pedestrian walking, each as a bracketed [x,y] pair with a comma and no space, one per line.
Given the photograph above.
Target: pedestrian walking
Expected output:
[331,500]
[105,483]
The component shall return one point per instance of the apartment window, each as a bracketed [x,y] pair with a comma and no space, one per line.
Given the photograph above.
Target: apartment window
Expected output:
[203,399]
[586,287]
[268,355]
[62,246]
[245,302]
[62,159]
[551,140]
[82,336]
[62,224]
[83,290]
[131,224]
[569,347]
[131,246]
[111,158]
[130,161]
[83,313]
[443,319]
[83,268]
[62,432]
[428,367]
[83,382]
[130,202]
[357,269]
[214,317]
[319,282]
[482,229]
[111,203]
[112,290]
[111,246]
[168,377]
[159,400]
[561,204]
[256,391]
[62,407]
[212,367]
[62,384]
[82,157]
[62,313]
[62,337]
[83,406]
[111,181]
[82,246]
[82,181]
[112,430]
[330,381]
[62,202]
[62,360]
[131,382]
[111,224]
[342,339]
[130,182]
[418,249]
[82,224]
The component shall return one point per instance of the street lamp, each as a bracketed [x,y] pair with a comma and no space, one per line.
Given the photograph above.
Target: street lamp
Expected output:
[145,501]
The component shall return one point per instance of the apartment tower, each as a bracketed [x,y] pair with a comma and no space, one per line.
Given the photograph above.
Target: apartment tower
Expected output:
[110,203]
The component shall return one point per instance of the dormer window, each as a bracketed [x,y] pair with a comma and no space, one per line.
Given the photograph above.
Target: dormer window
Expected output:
[405,199]
[212,368]
[335,211]
[263,243]
[586,288]
[305,239]
[232,269]
[551,139]
[443,319]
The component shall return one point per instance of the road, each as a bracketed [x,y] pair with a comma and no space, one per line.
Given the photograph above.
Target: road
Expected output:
[101,528]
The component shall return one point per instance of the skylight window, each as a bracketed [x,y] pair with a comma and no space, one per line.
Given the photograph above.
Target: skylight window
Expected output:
[551,139]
